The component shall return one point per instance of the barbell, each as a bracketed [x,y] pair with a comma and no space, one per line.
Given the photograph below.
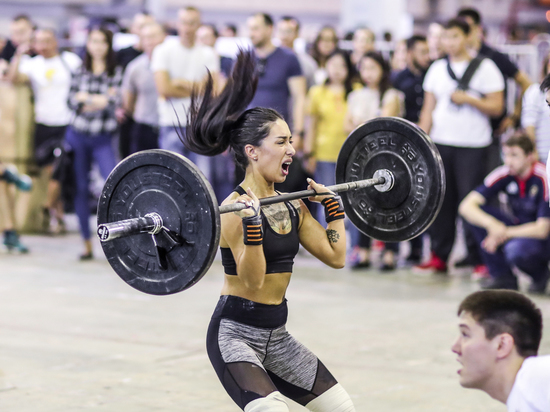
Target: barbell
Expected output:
[159,220]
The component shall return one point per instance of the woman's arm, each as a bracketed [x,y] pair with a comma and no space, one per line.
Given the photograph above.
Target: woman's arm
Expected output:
[309,144]
[250,259]
[391,105]
[425,121]
[328,245]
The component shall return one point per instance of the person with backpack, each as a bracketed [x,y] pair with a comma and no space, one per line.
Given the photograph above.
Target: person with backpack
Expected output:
[460,96]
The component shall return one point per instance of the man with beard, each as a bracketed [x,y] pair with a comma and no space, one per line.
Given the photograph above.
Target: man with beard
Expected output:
[409,81]
[280,82]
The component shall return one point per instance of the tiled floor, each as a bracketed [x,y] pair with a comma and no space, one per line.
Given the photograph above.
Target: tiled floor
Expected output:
[74,337]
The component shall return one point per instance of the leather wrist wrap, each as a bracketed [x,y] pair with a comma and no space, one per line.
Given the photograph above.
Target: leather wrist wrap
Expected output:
[334,209]
[253,233]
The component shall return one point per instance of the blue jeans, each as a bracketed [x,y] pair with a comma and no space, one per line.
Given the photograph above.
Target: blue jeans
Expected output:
[88,148]
[527,254]
[169,140]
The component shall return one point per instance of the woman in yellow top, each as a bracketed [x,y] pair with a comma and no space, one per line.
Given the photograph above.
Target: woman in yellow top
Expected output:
[376,99]
[327,109]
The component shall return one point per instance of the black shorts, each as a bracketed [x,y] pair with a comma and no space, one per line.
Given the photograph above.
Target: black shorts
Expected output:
[46,140]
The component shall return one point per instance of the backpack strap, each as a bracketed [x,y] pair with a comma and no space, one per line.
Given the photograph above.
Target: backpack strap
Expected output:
[464,81]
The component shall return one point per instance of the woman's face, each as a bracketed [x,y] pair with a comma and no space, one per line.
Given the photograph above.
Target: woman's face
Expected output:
[370,72]
[327,42]
[274,154]
[336,69]
[97,45]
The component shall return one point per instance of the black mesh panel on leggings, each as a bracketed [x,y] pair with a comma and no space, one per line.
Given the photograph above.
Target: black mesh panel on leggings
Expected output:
[245,382]
[323,382]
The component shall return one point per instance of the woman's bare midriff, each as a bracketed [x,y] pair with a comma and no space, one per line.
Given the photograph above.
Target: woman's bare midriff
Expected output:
[272,292]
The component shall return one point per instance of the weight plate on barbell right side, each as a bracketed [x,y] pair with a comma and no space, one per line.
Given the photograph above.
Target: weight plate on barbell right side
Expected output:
[169,184]
[413,203]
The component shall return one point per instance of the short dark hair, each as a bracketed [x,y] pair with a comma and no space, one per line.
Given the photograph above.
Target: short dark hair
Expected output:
[471,13]
[458,23]
[506,311]
[545,85]
[294,19]
[521,140]
[23,17]
[231,27]
[268,20]
[417,38]
[213,28]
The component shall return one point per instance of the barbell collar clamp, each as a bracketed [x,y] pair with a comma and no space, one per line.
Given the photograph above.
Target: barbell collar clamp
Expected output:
[150,223]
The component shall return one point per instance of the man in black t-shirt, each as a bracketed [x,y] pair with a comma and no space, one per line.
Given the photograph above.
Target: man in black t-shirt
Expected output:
[21,29]
[409,81]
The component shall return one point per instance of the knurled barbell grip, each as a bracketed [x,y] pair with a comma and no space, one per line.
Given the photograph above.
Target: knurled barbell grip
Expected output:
[150,223]
[342,187]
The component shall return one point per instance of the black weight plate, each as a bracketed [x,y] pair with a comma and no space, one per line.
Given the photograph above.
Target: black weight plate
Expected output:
[172,186]
[412,204]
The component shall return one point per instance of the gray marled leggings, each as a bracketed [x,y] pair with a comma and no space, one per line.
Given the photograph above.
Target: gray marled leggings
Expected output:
[254,355]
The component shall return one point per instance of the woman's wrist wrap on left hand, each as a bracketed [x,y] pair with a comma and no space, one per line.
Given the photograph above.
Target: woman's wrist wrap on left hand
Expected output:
[253,233]
[334,209]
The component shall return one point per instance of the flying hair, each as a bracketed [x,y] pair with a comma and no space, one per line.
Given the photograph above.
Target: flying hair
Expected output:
[211,118]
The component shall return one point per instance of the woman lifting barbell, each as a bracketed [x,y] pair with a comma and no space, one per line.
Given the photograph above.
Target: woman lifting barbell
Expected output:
[255,358]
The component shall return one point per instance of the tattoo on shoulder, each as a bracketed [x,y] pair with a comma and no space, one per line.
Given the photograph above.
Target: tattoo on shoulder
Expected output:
[333,236]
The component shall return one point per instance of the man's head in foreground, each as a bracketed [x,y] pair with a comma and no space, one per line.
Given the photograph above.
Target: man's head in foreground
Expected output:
[498,329]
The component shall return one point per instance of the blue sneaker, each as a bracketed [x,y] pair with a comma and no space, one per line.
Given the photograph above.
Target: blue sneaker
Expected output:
[21,181]
[12,242]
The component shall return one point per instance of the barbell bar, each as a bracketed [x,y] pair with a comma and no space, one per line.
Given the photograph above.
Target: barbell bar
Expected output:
[152,222]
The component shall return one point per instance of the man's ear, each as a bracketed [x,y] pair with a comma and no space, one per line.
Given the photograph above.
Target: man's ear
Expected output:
[505,345]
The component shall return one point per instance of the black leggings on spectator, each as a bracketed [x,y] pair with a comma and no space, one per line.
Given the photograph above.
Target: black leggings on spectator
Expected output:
[365,241]
[465,169]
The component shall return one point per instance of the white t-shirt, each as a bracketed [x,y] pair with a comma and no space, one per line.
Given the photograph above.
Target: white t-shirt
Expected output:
[51,80]
[531,390]
[181,63]
[535,112]
[364,104]
[462,126]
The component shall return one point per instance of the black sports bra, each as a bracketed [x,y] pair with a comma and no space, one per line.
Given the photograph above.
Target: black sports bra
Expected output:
[279,250]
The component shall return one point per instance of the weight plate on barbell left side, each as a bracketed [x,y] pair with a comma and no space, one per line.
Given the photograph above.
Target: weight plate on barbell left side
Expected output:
[172,186]
[401,147]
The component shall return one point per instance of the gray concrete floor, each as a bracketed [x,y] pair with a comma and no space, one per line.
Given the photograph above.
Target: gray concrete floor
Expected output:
[74,337]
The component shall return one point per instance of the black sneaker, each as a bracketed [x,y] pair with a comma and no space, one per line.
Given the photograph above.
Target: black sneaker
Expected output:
[465,262]
[361,265]
[539,287]
[500,283]
[414,258]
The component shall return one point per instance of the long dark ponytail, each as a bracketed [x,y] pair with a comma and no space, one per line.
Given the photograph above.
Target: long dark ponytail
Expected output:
[215,123]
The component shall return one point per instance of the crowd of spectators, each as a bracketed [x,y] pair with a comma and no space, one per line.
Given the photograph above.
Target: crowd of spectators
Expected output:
[449,82]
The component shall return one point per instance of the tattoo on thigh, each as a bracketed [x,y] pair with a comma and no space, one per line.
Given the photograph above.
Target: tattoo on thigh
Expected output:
[332,235]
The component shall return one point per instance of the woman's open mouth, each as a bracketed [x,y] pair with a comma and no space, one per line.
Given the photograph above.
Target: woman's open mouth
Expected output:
[285,168]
